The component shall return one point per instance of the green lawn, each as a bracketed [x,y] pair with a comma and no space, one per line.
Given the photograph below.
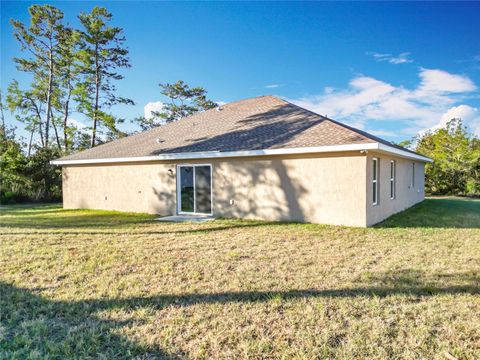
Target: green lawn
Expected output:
[98,284]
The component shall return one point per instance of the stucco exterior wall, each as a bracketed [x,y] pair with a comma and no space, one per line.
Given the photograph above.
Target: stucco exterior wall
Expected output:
[142,187]
[319,188]
[405,195]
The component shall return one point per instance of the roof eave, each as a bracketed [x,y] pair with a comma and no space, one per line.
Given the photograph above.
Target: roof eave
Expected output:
[249,153]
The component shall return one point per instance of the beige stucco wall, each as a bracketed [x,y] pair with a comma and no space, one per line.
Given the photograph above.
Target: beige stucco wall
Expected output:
[405,195]
[317,188]
[142,187]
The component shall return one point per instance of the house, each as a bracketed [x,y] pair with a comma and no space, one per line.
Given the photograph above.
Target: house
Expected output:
[260,158]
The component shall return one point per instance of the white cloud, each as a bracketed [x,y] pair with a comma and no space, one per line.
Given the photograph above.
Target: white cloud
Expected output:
[441,81]
[220,102]
[76,123]
[273,86]
[152,106]
[368,101]
[470,117]
[401,58]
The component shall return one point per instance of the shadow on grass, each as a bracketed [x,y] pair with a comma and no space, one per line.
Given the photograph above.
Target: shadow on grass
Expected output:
[431,213]
[36,327]
[437,213]
[65,329]
[50,220]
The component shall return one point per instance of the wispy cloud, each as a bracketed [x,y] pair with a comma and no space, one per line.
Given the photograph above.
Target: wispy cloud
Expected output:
[367,102]
[401,58]
[273,86]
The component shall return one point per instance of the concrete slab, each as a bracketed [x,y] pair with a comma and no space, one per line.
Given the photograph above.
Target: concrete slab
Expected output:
[186,218]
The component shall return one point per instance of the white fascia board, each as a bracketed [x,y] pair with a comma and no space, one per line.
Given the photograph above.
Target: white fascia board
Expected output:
[402,153]
[229,154]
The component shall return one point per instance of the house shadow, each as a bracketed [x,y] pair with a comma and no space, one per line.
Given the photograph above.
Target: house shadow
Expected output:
[62,329]
[33,325]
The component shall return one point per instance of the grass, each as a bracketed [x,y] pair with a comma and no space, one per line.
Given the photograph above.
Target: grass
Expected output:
[78,284]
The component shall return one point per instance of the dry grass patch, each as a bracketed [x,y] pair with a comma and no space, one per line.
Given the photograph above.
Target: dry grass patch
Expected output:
[98,284]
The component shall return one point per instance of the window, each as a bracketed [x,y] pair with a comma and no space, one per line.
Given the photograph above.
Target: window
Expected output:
[392,179]
[412,183]
[375,180]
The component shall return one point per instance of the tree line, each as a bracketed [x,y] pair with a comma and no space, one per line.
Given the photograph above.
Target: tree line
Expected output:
[72,70]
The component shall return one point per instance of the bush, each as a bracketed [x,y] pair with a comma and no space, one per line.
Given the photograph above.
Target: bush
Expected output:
[456,160]
[28,179]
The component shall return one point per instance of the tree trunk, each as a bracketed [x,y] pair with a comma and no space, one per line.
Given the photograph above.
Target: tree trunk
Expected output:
[30,142]
[4,129]
[49,95]
[65,120]
[40,130]
[97,90]
[56,133]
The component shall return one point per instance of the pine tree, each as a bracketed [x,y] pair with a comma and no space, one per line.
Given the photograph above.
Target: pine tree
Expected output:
[41,40]
[102,53]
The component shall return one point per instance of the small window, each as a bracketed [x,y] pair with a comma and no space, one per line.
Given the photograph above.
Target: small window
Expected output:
[392,179]
[375,181]
[412,183]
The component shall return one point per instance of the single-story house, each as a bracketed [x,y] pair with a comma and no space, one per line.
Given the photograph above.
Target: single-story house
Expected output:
[260,158]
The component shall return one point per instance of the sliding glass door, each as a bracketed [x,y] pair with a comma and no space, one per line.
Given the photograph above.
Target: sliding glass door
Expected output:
[194,189]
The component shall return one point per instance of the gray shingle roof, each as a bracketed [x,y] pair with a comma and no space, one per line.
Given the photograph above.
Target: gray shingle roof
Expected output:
[260,123]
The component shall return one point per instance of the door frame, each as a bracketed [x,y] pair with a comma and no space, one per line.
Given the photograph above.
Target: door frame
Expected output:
[178,175]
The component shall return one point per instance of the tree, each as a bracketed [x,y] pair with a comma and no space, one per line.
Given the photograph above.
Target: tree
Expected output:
[13,182]
[3,129]
[41,40]
[46,179]
[68,81]
[182,101]
[456,160]
[101,54]
[28,106]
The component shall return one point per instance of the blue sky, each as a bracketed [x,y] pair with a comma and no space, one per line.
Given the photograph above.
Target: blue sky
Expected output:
[390,68]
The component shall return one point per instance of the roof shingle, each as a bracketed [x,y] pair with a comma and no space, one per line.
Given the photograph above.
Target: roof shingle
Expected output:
[260,123]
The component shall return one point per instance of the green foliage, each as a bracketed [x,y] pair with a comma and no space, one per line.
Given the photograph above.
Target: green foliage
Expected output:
[405,143]
[13,180]
[456,160]
[45,179]
[41,41]
[27,178]
[70,69]
[102,53]
[183,101]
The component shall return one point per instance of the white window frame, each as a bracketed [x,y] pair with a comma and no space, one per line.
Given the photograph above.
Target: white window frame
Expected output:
[412,180]
[375,172]
[179,211]
[393,175]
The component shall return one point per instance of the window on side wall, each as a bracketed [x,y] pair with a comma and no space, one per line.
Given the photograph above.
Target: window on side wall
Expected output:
[375,181]
[393,170]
